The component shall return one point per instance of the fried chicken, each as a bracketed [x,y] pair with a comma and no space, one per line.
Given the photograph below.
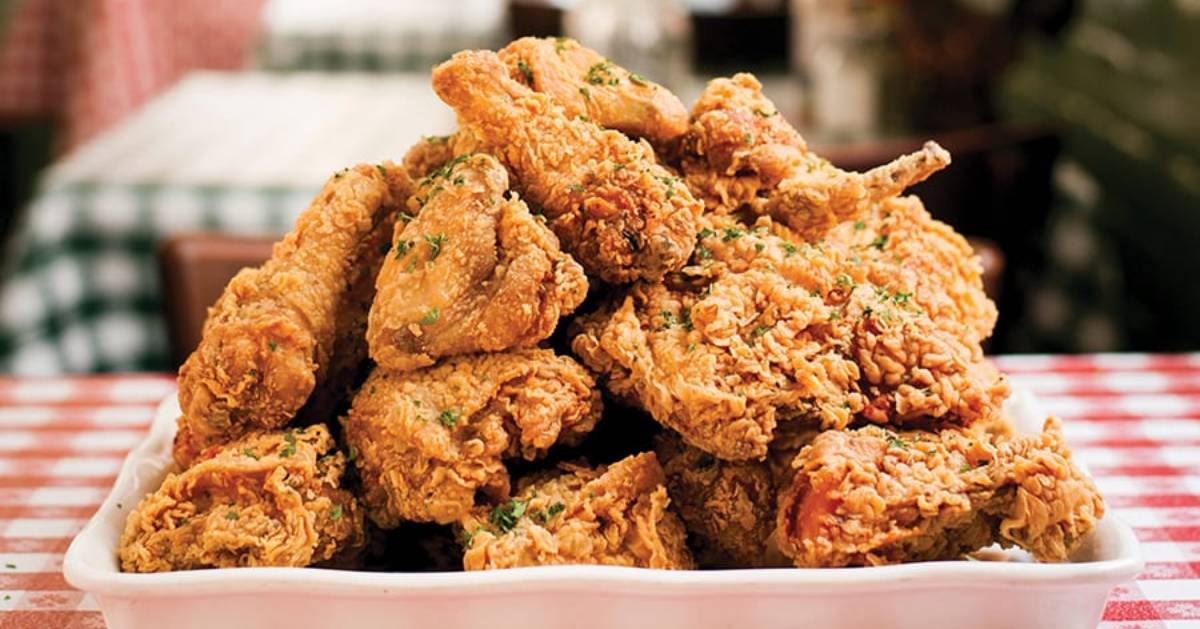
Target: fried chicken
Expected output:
[473,272]
[586,84]
[761,330]
[740,152]
[267,499]
[871,496]
[428,155]
[614,515]
[427,441]
[294,325]
[620,213]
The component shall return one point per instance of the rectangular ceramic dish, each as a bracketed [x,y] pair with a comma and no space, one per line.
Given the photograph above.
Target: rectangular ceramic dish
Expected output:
[934,595]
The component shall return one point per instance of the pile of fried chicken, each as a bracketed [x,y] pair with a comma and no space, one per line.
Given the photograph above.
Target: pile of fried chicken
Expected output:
[428,352]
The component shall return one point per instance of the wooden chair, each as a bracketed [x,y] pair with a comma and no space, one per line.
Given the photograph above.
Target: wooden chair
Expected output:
[194,269]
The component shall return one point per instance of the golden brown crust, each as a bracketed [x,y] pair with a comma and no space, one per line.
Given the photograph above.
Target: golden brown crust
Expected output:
[272,337]
[620,213]
[614,515]
[473,272]
[872,496]
[426,441]
[586,84]
[267,499]
[740,152]
[762,329]
[427,155]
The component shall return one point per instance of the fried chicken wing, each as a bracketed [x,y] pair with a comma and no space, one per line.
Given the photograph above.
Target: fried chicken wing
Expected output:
[586,84]
[871,496]
[267,499]
[427,441]
[740,152]
[620,213]
[428,155]
[614,515]
[762,330]
[473,272]
[292,326]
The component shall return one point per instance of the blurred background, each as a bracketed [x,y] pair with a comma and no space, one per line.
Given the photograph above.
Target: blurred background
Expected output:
[150,147]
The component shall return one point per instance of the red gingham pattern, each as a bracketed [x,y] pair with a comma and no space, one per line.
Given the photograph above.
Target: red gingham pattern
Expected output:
[1134,419]
[88,63]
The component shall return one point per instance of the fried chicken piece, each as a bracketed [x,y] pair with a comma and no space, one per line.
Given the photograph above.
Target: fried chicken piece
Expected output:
[473,272]
[428,155]
[427,441]
[620,213]
[294,325]
[586,84]
[740,152]
[762,330]
[871,496]
[267,499]
[614,515]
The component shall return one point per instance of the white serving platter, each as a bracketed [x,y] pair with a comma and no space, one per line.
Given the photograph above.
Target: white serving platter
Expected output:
[934,595]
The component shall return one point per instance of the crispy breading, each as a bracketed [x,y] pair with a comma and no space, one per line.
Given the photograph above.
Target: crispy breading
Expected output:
[273,336]
[428,155]
[620,213]
[267,499]
[473,272]
[614,515]
[761,330]
[871,496]
[740,152]
[427,441]
[586,84]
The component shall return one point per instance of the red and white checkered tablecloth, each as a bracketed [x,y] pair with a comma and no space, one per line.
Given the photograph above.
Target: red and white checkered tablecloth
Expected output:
[1133,418]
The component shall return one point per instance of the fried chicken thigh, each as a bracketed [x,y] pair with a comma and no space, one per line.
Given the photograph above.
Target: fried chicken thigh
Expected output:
[267,499]
[586,84]
[291,327]
[473,272]
[427,441]
[761,330]
[740,152]
[871,496]
[614,515]
[620,213]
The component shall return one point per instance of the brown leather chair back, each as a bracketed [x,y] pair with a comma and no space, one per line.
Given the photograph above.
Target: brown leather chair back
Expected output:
[194,269]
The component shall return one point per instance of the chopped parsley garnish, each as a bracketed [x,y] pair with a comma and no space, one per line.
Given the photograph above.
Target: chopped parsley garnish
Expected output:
[669,319]
[691,347]
[406,217]
[703,253]
[748,139]
[789,249]
[966,467]
[844,281]
[759,247]
[459,180]
[575,187]
[731,233]
[547,514]
[250,453]
[859,226]
[289,448]
[431,316]
[506,516]
[880,242]
[335,513]
[10,566]
[560,43]
[759,330]
[525,72]
[897,442]
[600,74]
[382,170]
[273,345]
[353,454]
[231,515]
[586,94]
[705,233]
[617,167]
[765,114]
[435,244]
[637,79]
[437,139]
[449,417]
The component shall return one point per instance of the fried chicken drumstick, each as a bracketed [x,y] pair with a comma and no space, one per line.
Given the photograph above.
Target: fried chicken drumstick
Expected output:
[293,326]
[620,213]
[872,496]
[473,272]
[614,515]
[426,441]
[267,499]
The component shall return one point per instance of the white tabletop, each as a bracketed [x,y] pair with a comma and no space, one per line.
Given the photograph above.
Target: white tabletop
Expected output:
[260,129]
